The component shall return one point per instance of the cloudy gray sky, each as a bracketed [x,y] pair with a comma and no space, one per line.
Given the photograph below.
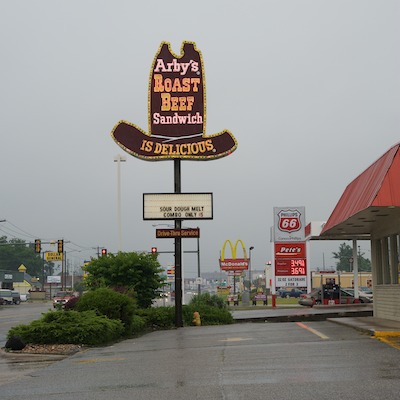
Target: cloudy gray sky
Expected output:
[310,89]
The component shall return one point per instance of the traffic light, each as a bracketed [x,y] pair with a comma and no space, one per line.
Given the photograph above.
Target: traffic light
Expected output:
[60,246]
[103,252]
[154,250]
[38,245]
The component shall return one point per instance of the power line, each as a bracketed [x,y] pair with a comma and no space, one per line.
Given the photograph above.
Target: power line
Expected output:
[11,232]
[15,226]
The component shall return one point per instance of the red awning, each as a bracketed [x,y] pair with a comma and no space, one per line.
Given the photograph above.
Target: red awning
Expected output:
[368,201]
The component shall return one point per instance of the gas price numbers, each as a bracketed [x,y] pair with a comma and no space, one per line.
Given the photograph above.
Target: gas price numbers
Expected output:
[298,267]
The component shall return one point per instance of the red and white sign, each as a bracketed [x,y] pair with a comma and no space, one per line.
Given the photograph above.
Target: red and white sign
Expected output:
[235,273]
[289,224]
[171,274]
[234,264]
[291,267]
[290,264]
[289,220]
[290,250]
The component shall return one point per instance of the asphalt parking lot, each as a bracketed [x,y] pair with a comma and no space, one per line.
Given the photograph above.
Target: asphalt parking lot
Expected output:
[24,370]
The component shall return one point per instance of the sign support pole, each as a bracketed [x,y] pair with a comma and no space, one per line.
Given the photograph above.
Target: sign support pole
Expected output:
[178,251]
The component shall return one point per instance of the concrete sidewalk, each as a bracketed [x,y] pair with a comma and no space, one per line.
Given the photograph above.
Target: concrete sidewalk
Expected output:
[377,327]
[357,316]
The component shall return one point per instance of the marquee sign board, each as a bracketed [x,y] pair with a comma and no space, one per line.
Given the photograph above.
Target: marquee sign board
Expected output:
[177,112]
[171,206]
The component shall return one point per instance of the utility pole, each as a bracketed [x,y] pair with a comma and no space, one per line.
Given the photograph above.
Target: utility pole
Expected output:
[118,159]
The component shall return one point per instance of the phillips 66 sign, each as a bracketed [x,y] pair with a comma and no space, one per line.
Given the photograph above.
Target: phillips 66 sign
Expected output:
[289,224]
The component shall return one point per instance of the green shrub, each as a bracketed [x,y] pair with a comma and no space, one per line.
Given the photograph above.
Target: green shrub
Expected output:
[138,325]
[158,317]
[209,315]
[70,327]
[107,302]
[209,300]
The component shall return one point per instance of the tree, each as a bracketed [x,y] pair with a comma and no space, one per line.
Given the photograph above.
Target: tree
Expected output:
[345,259]
[137,273]
[364,264]
[15,252]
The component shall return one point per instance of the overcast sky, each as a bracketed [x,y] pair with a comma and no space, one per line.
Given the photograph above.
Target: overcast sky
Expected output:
[310,90]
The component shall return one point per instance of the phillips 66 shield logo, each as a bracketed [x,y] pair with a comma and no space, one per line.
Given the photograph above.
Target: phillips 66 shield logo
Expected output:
[289,220]
[289,224]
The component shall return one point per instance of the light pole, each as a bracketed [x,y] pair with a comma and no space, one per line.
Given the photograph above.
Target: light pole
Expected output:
[198,263]
[250,249]
[118,159]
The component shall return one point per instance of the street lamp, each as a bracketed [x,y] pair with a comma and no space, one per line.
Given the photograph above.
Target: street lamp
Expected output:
[118,159]
[250,249]
[198,263]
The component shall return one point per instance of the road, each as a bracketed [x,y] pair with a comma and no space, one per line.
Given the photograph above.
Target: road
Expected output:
[280,361]
[12,315]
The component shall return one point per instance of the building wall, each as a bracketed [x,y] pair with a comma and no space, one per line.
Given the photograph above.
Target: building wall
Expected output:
[345,279]
[385,267]
[22,287]
[386,302]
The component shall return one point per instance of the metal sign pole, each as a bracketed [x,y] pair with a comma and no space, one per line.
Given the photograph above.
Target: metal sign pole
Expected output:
[178,252]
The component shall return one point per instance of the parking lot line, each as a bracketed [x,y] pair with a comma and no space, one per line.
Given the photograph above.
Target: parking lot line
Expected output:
[312,330]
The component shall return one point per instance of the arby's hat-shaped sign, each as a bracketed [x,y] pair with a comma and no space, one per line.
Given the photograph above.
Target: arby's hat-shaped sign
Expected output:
[177,112]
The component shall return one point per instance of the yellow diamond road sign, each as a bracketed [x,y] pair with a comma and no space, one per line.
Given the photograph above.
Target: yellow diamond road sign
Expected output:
[53,256]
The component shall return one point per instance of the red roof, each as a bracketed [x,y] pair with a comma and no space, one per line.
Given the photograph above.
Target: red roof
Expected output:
[373,195]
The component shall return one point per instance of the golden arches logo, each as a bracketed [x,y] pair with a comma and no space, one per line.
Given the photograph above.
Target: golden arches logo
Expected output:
[234,263]
[233,249]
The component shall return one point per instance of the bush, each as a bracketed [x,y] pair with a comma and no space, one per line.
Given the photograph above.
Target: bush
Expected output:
[138,325]
[107,302]
[70,327]
[209,315]
[212,310]
[209,300]
[158,317]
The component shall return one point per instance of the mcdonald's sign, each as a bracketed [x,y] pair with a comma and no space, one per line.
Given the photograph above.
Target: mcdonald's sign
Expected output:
[234,263]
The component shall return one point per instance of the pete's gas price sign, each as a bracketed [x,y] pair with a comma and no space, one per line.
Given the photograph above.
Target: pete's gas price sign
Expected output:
[290,264]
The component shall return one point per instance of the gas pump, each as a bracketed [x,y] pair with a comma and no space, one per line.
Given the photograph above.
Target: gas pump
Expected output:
[330,292]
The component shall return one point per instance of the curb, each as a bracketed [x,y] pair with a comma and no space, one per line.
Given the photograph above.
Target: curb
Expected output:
[339,314]
[383,334]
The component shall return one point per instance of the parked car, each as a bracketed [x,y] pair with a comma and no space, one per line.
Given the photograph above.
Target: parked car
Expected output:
[290,292]
[6,296]
[346,297]
[60,299]
[16,297]
[25,297]
[309,299]
[364,297]
[366,291]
